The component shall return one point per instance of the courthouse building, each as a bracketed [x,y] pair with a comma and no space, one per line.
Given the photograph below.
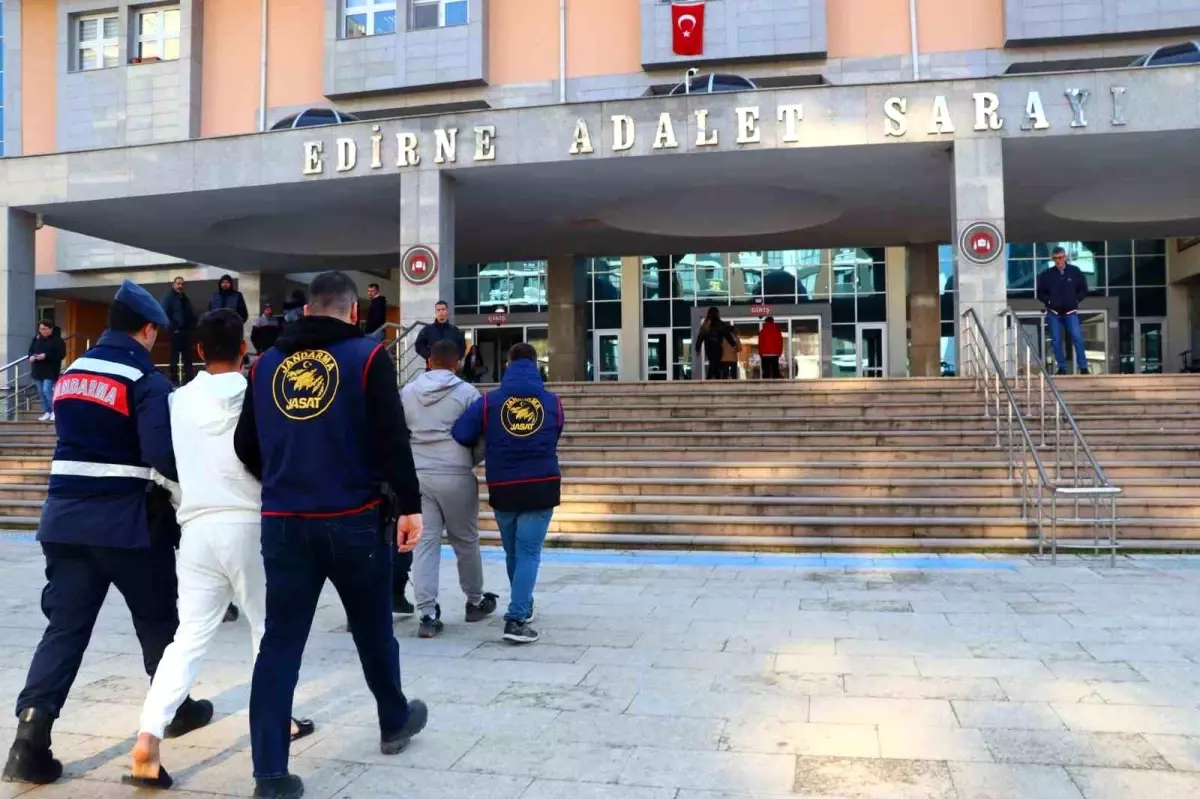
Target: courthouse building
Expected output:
[862,170]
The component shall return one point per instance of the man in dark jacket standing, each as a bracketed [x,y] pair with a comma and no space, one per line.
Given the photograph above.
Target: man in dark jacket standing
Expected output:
[46,354]
[438,330]
[1060,289]
[114,442]
[323,430]
[376,310]
[181,321]
[229,297]
[520,423]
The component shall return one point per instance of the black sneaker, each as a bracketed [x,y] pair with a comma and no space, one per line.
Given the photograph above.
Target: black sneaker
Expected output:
[1085,371]
[231,614]
[191,715]
[485,608]
[418,716]
[289,786]
[401,606]
[30,759]
[1061,373]
[431,625]
[519,632]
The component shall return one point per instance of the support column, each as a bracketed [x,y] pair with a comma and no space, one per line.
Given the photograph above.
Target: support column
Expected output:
[630,367]
[924,311]
[566,296]
[979,197]
[897,328]
[18,301]
[427,219]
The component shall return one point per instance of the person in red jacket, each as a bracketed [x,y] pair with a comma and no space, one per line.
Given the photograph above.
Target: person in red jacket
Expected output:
[770,348]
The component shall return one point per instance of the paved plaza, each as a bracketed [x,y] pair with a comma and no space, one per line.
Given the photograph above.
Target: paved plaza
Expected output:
[705,676]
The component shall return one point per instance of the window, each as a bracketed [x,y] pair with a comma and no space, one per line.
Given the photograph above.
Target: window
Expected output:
[158,34]
[369,17]
[97,42]
[438,13]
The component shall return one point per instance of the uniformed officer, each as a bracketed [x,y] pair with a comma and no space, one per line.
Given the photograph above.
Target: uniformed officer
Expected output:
[114,433]
[322,428]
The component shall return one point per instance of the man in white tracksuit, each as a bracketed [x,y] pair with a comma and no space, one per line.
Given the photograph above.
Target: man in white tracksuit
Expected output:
[449,489]
[220,551]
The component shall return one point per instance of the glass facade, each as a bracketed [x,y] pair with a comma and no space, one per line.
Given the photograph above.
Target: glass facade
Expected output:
[1132,271]
[516,286]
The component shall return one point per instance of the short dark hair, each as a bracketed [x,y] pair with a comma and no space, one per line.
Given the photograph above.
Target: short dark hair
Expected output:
[442,302]
[177,278]
[332,291]
[219,333]
[444,352]
[1058,251]
[123,319]
[373,286]
[769,319]
[522,351]
[43,322]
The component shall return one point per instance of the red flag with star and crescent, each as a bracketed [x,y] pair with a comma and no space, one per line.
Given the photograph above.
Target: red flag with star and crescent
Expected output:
[687,26]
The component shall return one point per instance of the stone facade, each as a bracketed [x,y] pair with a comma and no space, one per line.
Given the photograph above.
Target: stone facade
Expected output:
[739,29]
[1044,20]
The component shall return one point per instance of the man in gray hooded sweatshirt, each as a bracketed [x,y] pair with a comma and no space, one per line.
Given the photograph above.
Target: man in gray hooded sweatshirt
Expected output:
[449,490]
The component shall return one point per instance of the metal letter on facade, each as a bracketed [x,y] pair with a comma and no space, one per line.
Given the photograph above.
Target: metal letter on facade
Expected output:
[704,137]
[1078,99]
[485,143]
[623,132]
[790,116]
[1118,101]
[1035,113]
[896,109]
[407,155]
[748,131]
[376,148]
[313,164]
[987,111]
[445,145]
[941,122]
[665,135]
[581,142]
[347,154]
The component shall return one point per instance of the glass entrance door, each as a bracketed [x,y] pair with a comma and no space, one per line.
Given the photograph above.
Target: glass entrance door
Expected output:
[805,345]
[656,354]
[494,344]
[606,355]
[1149,344]
[539,337]
[872,350]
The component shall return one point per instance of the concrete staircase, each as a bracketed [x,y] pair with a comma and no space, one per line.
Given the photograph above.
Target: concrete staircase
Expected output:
[826,464]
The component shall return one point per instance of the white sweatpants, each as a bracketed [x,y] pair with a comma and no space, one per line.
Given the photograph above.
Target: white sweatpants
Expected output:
[217,562]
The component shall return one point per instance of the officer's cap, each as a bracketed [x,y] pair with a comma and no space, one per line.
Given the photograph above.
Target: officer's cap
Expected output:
[138,300]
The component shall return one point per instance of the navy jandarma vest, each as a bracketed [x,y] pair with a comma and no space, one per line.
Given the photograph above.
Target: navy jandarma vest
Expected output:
[311,412]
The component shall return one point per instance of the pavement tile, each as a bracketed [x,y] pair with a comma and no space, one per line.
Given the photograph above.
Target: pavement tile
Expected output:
[932,743]
[1181,751]
[611,697]
[799,738]
[856,710]
[547,759]
[626,730]
[389,782]
[1058,748]
[1126,784]
[993,781]
[873,779]
[1007,715]
[1131,718]
[558,789]
[843,664]
[727,771]
[923,687]
[1009,668]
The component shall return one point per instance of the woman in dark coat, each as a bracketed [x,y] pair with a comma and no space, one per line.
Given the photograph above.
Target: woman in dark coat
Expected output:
[712,334]
[46,354]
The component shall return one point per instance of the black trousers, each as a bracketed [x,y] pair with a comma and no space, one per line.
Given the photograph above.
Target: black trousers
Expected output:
[181,353]
[770,367]
[401,566]
[77,580]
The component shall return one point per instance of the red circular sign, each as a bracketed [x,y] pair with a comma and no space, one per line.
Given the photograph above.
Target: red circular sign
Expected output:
[981,243]
[419,265]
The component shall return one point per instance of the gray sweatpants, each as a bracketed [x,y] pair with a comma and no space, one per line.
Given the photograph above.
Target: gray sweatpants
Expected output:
[449,502]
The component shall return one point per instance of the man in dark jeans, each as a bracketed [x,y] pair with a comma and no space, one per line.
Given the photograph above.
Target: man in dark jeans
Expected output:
[323,429]
[182,320]
[1061,288]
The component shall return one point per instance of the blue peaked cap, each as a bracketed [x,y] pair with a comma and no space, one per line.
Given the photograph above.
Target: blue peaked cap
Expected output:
[142,303]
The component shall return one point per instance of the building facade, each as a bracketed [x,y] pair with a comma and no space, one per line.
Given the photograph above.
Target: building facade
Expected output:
[862,170]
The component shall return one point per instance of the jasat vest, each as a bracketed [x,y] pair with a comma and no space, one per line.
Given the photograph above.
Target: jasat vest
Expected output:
[310,408]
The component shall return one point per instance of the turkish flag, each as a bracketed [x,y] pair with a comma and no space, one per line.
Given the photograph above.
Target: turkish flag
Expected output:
[687,28]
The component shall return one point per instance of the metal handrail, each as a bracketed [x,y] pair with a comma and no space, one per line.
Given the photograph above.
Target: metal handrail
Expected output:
[991,369]
[408,363]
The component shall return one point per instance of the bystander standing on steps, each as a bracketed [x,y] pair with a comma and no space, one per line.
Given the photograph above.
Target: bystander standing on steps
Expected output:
[100,526]
[520,423]
[46,354]
[1061,288]
[227,296]
[322,428]
[770,348]
[181,321]
[440,328]
[376,312]
[714,336]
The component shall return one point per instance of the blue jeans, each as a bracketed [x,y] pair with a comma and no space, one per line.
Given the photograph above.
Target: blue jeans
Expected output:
[523,533]
[46,389]
[299,554]
[1056,324]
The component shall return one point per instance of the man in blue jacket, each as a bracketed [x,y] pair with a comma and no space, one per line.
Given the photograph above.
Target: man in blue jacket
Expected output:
[114,434]
[520,423]
[1061,288]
